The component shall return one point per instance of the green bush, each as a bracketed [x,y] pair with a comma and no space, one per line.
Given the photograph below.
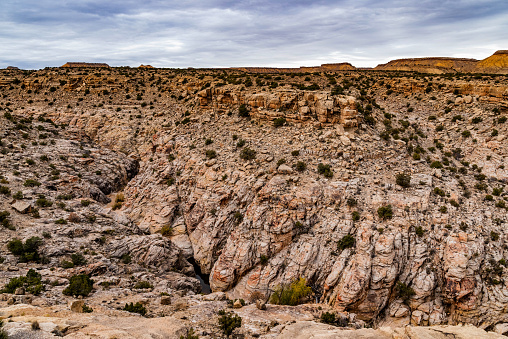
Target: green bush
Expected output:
[355,215]
[292,294]
[5,190]
[436,164]
[385,212]
[142,285]
[85,203]
[403,179]
[243,111]
[27,251]
[279,122]
[326,170]
[126,259]
[211,154]
[78,259]
[135,308]
[31,183]
[228,322]
[190,332]
[347,241]
[247,154]
[43,202]
[263,260]
[79,285]
[419,231]
[167,230]
[87,309]
[32,283]
[328,318]
[403,291]
[300,166]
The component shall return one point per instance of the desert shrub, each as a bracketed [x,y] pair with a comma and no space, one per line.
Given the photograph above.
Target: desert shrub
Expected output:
[419,231]
[443,209]
[347,241]
[295,153]
[328,318]
[142,285]
[494,236]
[497,191]
[300,166]
[228,322]
[404,292]
[436,164]
[325,170]
[208,141]
[355,215]
[211,154]
[60,221]
[85,203]
[501,204]
[126,259]
[385,212]
[73,217]
[18,195]
[4,215]
[79,285]
[5,190]
[247,154]
[43,202]
[238,217]
[167,230]
[439,191]
[135,308]
[292,294]
[351,202]
[403,179]
[78,259]
[32,283]
[190,332]
[240,143]
[243,111]
[87,309]
[466,134]
[263,260]
[27,251]
[279,122]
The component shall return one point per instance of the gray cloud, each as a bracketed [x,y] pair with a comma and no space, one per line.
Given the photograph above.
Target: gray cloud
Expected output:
[215,33]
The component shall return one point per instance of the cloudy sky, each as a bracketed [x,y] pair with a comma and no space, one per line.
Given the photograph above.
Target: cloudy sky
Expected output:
[223,33]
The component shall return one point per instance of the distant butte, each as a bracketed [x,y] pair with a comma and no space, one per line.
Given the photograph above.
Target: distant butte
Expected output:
[85,64]
[495,64]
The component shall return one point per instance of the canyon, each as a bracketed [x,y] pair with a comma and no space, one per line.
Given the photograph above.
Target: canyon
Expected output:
[384,189]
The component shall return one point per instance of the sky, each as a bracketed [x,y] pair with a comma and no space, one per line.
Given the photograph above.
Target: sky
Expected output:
[226,33]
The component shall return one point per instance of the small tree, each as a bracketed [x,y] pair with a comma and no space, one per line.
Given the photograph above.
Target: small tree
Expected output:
[385,212]
[403,179]
[346,242]
[79,285]
[291,294]
[243,111]
[228,322]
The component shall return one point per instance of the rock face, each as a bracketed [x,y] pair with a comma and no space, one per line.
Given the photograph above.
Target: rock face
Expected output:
[295,106]
[430,65]
[496,63]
